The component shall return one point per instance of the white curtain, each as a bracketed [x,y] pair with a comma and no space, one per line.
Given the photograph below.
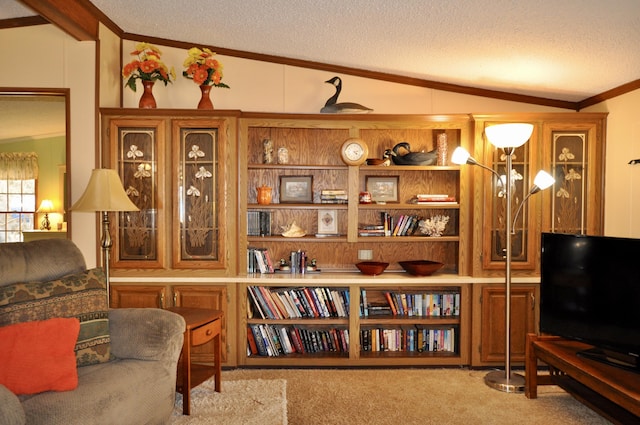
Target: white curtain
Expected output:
[18,165]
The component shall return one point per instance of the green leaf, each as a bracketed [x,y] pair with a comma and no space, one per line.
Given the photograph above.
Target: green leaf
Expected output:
[131,83]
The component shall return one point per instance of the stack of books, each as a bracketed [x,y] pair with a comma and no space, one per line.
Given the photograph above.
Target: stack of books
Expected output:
[371,230]
[433,198]
[333,196]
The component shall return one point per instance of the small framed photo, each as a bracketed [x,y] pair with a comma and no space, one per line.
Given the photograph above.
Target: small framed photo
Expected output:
[327,221]
[296,189]
[383,188]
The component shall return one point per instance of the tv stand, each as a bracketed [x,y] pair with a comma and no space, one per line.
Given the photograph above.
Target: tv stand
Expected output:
[611,391]
[629,363]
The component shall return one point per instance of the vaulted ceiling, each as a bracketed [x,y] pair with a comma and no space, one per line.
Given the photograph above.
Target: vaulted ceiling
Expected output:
[569,50]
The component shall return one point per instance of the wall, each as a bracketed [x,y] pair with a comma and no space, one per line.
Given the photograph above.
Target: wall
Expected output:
[622,180]
[266,87]
[43,56]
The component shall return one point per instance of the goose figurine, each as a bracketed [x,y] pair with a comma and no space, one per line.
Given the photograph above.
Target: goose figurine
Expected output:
[332,107]
[412,158]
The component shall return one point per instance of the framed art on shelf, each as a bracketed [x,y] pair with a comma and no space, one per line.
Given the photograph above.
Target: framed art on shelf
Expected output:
[328,222]
[383,188]
[296,189]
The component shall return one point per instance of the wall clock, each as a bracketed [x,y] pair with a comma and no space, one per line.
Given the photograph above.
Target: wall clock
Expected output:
[354,151]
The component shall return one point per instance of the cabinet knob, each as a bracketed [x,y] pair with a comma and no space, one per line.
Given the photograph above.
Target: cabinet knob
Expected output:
[209,332]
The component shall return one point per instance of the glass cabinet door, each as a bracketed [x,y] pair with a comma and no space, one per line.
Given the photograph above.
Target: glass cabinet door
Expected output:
[137,148]
[198,146]
[523,228]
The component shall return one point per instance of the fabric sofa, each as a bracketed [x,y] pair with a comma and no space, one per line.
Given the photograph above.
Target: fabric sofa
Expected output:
[125,359]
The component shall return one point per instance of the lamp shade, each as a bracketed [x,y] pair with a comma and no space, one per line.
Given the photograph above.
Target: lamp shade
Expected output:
[104,193]
[543,180]
[460,156]
[509,135]
[46,206]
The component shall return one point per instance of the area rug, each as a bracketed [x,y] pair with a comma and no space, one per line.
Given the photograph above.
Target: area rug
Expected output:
[243,402]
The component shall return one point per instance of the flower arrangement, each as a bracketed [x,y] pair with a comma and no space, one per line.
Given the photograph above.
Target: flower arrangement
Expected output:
[147,66]
[203,68]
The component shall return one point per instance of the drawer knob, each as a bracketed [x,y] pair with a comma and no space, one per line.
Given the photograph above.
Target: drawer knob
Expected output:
[209,332]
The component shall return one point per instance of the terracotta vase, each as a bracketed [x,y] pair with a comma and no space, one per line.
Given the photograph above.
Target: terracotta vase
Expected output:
[205,100]
[147,100]
[264,195]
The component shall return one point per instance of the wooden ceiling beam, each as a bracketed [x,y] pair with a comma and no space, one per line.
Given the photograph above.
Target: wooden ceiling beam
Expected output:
[77,18]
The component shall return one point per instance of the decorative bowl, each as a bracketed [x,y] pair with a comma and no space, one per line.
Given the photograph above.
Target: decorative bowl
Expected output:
[375,161]
[421,267]
[371,268]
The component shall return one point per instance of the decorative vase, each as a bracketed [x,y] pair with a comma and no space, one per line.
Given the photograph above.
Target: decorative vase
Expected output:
[264,195]
[205,100]
[147,100]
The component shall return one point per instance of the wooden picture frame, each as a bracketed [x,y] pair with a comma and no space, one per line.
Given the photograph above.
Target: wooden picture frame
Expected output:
[383,189]
[296,189]
[328,222]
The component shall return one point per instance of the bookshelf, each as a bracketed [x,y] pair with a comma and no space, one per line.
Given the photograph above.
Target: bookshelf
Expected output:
[345,337]
[313,143]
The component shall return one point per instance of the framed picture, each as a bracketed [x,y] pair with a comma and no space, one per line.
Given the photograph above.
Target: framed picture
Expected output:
[383,188]
[327,221]
[296,189]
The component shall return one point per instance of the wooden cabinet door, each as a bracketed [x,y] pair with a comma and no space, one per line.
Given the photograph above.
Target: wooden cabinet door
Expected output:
[523,321]
[212,297]
[128,296]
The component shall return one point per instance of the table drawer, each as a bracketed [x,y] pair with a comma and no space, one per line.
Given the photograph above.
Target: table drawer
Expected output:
[205,333]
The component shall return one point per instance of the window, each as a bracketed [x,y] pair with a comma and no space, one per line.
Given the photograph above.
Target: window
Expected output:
[17,208]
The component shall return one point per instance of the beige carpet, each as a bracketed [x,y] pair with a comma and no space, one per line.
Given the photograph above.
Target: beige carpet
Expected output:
[241,402]
[414,396]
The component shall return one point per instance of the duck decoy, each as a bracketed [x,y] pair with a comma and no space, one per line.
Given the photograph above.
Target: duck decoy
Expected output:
[386,157]
[332,107]
[412,158]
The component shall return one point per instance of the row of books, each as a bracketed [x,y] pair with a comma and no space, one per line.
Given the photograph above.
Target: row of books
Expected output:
[408,339]
[403,225]
[259,261]
[258,223]
[290,303]
[333,196]
[276,340]
[413,304]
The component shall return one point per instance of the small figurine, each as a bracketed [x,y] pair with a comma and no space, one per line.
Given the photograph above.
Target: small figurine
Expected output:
[267,151]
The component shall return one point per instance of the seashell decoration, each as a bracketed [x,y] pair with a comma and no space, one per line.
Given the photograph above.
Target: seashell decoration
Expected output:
[293,231]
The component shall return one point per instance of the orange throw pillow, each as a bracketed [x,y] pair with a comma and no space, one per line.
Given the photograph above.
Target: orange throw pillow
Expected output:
[39,356]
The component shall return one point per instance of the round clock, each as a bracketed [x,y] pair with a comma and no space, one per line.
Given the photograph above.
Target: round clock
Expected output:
[354,151]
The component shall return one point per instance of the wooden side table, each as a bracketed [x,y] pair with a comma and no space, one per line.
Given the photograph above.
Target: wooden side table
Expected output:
[203,325]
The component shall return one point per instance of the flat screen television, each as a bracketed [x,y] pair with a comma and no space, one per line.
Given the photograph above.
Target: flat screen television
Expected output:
[590,291]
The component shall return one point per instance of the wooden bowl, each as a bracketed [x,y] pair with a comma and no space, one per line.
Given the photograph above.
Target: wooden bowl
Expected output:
[371,268]
[374,161]
[421,267]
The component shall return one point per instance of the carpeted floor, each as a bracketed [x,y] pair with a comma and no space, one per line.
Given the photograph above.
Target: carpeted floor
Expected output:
[414,396]
[241,402]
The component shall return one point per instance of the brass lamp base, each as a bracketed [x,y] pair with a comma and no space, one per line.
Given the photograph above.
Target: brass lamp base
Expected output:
[498,381]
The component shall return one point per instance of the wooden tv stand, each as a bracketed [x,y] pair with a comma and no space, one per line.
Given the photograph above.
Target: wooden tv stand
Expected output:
[612,392]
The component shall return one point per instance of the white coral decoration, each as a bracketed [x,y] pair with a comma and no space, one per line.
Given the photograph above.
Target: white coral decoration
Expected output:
[434,226]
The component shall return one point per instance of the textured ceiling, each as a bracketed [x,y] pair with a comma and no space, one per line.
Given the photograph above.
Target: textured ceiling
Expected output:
[566,50]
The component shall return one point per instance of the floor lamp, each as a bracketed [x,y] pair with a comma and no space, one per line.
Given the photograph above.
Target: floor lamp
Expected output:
[508,137]
[104,194]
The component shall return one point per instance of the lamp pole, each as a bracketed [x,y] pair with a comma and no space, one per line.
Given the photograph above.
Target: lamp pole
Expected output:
[508,137]
[507,382]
